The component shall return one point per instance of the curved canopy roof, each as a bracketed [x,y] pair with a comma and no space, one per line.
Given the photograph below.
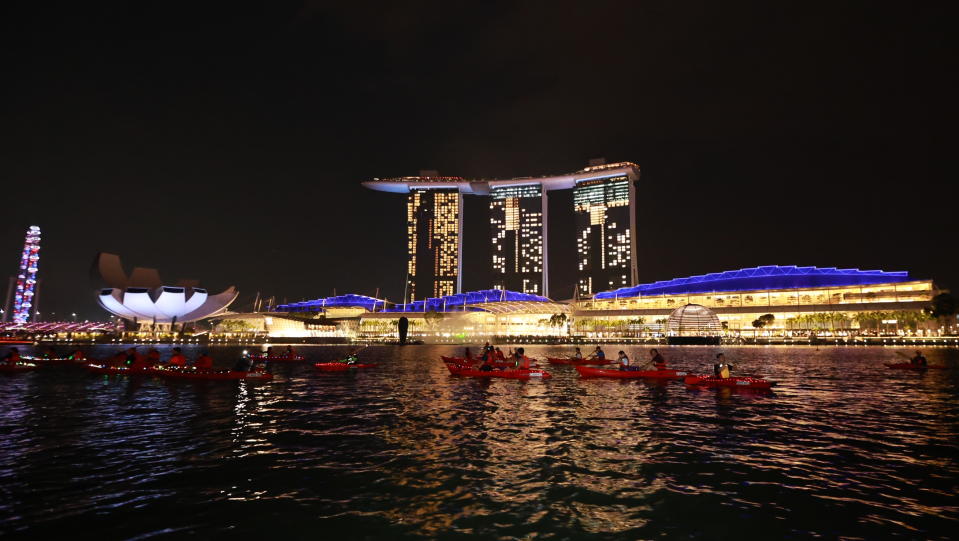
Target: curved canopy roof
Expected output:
[473,301]
[760,278]
[338,301]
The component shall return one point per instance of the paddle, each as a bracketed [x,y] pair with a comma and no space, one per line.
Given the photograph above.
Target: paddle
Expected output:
[903,355]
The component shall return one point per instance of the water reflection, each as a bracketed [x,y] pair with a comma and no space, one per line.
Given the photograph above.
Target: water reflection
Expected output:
[842,447]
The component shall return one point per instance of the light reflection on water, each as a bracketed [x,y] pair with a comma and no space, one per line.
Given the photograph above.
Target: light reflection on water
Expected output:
[844,447]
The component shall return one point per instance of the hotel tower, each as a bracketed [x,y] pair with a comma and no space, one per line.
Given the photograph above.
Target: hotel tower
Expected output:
[604,197]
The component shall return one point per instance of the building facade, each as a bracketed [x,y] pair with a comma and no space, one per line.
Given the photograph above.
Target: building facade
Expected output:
[605,215]
[604,210]
[800,300]
[518,232]
[433,267]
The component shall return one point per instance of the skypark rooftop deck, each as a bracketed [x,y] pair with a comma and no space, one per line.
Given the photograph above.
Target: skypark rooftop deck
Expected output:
[483,186]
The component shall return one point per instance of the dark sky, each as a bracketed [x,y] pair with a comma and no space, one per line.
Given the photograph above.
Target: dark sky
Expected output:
[228,143]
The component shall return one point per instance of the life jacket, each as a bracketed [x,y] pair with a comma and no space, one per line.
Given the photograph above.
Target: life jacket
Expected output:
[14,357]
[204,362]
[178,360]
[724,371]
[523,363]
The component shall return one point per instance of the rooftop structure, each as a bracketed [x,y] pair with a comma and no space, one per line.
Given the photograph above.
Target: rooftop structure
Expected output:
[693,320]
[760,278]
[143,297]
[338,301]
[605,196]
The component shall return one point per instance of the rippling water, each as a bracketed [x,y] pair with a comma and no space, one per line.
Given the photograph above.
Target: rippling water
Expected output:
[843,448]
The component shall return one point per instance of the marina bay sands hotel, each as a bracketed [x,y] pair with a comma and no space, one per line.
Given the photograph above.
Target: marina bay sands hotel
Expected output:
[604,210]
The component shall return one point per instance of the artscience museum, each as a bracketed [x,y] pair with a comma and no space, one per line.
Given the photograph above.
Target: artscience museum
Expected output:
[142,297]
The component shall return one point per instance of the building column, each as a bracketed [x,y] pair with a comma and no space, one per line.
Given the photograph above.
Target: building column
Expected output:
[545,213]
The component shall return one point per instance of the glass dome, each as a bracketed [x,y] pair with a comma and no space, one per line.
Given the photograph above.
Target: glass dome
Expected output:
[693,320]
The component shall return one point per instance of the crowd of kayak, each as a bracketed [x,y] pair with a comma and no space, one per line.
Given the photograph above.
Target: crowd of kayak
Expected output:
[490,363]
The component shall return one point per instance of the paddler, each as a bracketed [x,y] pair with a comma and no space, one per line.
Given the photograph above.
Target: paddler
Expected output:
[244,364]
[498,355]
[177,359]
[657,360]
[290,353]
[521,361]
[153,357]
[577,355]
[623,361]
[78,355]
[203,362]
[598,354]
[919,359]
[13,357]
[721,368]
[132,358]
[51,353]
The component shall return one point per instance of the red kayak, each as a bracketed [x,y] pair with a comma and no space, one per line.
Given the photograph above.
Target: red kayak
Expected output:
[463,362]
[16,367]
[177,373]
[96,368]
[917,367]
[588,372]
[41,361]
[277,358]
[508,374]
[737,382]
[578,362]
[341,367]
[193,373]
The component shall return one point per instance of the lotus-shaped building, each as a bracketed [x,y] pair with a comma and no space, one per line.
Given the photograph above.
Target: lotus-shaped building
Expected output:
[143,297]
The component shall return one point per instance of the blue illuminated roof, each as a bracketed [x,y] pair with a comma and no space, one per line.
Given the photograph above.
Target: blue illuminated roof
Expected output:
[340,301]
[760,278]
[459,302]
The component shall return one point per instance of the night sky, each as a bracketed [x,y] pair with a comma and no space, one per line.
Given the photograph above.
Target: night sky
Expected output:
[228,144]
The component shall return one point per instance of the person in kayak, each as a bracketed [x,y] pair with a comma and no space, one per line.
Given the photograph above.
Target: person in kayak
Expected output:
[623,361]
[50,353]
[351,358]
[133,358]
[521,361]
[577,355]
[487,365]
[498,355]
[721,369]
[487,351]
[12,357]
[203,362]
[919,359]
[657,360]
[244,364]
[598,354]
[290,352]
[153,357]
[78,355]
[269,352]
[177,359]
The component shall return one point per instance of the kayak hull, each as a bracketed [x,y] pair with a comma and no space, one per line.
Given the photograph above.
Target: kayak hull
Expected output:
[588,372]
[915,367]
[578,362]
[17,367]
[210,374]
[737,382]
[506,374]
[177,373]
[278,358]
[341,367]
